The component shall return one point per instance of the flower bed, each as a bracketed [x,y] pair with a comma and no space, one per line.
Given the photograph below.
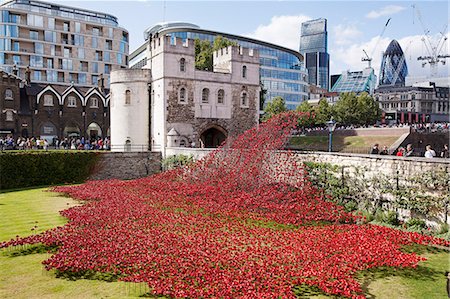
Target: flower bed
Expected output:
[228,226]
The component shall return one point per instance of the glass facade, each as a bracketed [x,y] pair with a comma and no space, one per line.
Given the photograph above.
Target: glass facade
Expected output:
[361,81]
[314,47]
[393,70]
[282,73]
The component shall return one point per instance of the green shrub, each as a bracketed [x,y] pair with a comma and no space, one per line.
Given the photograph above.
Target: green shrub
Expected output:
[389,217]
[177,161]
[417,223]
[443,228]
[39,168]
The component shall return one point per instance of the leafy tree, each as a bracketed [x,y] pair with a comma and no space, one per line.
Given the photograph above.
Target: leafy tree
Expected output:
[369,111]
[345,111]
[322,112]
[204,51]
[306,107]
[275,107]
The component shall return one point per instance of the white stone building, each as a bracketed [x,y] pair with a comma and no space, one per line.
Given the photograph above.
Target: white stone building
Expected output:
[185,107]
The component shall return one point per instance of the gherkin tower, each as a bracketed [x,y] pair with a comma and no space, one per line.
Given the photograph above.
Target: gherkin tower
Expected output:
[393,69]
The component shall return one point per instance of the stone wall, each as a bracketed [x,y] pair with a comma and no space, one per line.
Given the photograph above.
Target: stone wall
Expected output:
[126,165]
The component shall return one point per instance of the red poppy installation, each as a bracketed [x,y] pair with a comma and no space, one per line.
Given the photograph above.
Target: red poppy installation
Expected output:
[242,223]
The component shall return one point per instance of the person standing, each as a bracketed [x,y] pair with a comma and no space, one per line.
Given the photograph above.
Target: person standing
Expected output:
[375,150]
[384,151]
[400,152]
[409,151]
[429,153]
[444,152]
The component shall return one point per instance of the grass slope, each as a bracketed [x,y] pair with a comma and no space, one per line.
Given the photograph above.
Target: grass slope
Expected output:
[24,277]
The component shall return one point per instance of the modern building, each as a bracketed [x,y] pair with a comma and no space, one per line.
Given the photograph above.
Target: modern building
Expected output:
[60,44]
[393,70]
[314,47]
[419,103]
[171,104]
[282,71]
[357,82]
[48,111]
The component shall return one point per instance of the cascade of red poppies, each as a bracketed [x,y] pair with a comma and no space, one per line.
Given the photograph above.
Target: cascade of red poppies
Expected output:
[233,225]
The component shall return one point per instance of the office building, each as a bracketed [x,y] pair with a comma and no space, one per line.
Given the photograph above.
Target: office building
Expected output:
[282,72]
[314,47]
[357,82]
[393,70]
[60,44]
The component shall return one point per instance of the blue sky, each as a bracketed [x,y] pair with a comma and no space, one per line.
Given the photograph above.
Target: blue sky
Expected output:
[352,25]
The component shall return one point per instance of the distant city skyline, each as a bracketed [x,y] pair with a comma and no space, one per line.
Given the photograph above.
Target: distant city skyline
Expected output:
[352,25]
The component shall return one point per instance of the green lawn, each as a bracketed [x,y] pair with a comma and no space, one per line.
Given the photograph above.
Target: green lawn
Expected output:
[350,144]
[24,277]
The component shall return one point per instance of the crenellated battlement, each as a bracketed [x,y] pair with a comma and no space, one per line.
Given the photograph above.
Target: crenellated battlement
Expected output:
[236,53]
[171,45]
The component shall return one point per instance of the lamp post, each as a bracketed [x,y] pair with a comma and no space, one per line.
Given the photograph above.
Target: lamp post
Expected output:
[331,124]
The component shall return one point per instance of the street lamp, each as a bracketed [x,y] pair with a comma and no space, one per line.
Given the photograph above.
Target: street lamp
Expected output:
[331,124]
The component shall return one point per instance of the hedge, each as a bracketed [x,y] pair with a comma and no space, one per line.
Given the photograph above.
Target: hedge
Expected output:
[39,168]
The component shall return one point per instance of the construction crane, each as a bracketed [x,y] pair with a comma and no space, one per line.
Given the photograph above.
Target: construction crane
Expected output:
[369,58]
[434,49]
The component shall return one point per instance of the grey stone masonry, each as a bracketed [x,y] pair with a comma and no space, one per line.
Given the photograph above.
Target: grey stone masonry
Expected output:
[126,165]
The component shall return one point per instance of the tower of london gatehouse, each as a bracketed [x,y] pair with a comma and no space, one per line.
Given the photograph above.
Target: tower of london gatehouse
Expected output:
[172,104]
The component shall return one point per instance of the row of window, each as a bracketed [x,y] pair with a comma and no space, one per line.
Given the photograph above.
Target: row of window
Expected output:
[71,101]
[182,97]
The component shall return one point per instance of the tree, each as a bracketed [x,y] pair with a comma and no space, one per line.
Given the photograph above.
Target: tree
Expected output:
[308,109]
[276,106]
[322,112]
[356,110]
[204,51]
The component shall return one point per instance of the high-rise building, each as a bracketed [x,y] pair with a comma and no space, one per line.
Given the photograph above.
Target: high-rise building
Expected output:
[282,72]
[393,70]
[60,44]
[314,47]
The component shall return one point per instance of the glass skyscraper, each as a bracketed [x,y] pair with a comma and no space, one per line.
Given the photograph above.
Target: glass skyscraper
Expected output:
[393,70]
[282,71]
[314,47]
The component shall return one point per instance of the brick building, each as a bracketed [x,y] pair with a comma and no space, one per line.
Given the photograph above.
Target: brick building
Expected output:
[51,111]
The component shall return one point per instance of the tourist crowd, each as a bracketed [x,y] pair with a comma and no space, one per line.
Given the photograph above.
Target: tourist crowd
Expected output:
[410,152]
[67,143]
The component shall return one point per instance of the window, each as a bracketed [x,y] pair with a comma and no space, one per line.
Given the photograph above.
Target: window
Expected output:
[127,97]
[9,94]
[81,53]
[110,32]
[78,40]
[51,76]
[96,31]
[244,72]
[16,59]
[51,23]
[108,44]
[119,58]
[33,20]
[34,35]
[50,36]
[205,96]
[244,99]
[106,56]
[182,65]
[182,95]
[94,42]
[82,78]
[98,55]
[37,75]
[107,68]
[220,96]
[16,46]
[9,115]
[94,103]
[77,27]
[38,48]
[94,67]
[67,52]
[66,26]
[53,50]
[50,63]
[48,100]
[72,101]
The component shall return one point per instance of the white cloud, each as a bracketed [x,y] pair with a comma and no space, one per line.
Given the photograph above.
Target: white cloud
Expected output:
[345,34]
[282,30]
[385,11]
[349,58]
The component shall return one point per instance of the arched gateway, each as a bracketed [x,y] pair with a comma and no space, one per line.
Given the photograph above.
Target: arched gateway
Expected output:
[213,136]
